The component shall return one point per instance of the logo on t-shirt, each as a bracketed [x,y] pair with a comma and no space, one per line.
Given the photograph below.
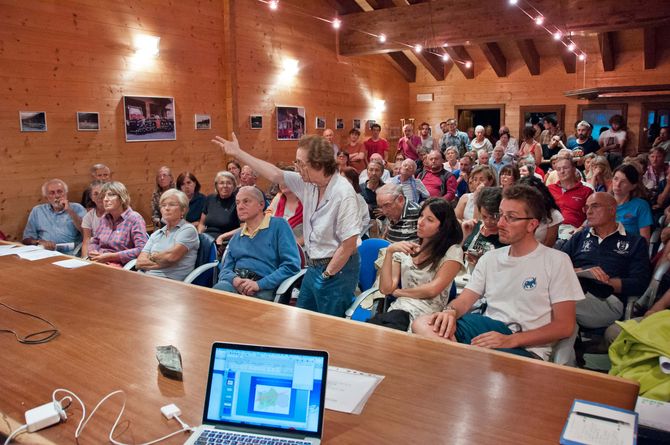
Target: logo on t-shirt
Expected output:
[529,283]
[588,245]
[622,247]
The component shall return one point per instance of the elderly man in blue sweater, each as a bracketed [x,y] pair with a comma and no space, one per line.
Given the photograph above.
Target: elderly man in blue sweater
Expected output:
[262,254]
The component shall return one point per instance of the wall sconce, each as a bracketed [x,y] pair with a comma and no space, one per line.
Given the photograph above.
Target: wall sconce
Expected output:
[290,67]
[146,46]
[380,106]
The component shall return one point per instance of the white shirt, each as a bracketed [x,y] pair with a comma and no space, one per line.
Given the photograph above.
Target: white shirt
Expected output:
[335,219]
[522,289]
[607,137]
[541,231]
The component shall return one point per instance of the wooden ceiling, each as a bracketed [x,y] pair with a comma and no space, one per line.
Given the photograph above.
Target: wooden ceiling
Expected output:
[485,24]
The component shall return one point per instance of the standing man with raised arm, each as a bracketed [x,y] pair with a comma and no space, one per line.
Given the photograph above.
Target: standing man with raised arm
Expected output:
[330,222]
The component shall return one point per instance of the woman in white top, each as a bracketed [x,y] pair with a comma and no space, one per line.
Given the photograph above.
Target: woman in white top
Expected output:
[480,140]
[90,221]
[351,175]
[420,275]
[482,176]
[547,232]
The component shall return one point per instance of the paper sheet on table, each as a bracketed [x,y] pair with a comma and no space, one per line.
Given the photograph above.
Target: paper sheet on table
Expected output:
[348,390]
[596,424]
[653,413]
[39,254]
[72,264]
[6,247]
[18,250]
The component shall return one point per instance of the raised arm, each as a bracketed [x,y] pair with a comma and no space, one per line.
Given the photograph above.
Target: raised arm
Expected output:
[265,169]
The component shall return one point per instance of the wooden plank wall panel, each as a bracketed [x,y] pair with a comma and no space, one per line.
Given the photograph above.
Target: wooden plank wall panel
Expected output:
[520,88]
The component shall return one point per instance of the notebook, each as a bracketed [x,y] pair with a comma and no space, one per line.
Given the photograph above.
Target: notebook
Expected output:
[261,393]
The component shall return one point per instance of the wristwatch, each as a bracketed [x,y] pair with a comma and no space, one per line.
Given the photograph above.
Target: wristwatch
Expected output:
[325,275]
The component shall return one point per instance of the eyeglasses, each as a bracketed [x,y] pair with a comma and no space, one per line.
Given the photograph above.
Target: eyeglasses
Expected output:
[299,164]
[509,218]
[388,204]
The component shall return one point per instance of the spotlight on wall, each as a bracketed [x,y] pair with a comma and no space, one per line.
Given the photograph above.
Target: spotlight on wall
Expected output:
[582,57]
[290,67]
[380,106]
[418,48]
[468,64]
[146,46]
[445,57]
[513,2]
[273,4]
[539,20]
[558,35]
[571,46]
[337,23]
[382,38]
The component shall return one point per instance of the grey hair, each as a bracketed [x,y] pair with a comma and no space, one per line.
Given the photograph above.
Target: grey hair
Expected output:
[96,167]
[254,191]
[390,189]
[584,124]
[53,181]
[182,199]
[225,174]
[253,172]
[479,128]
[117,188]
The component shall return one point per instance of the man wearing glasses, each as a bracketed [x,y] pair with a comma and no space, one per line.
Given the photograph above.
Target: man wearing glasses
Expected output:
[402,215]
[610,263]
[330,221]
[530,289]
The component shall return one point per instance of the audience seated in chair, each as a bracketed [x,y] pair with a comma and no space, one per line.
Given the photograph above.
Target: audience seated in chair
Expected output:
[481,235]
[189,184]
[219,216]
[530,289]
[612,263]
[122,233]
[570,195]
[401,214]
[164,181]
[91,221]
[57,223]
[426,269]
[99,172]
[262,254]
[172,250]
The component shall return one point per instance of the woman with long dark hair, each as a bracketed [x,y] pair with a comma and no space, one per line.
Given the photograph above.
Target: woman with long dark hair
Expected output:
[631,211]
[425,269]
[547,232]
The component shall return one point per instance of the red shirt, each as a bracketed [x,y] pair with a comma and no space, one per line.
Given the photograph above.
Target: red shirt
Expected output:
[360,164]
[405,149]
[380,146]
[433,183]
[571,202]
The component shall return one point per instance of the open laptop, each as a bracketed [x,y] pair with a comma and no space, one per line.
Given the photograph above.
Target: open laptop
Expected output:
[263,395]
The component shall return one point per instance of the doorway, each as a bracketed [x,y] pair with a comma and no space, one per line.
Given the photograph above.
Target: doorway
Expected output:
[469,116]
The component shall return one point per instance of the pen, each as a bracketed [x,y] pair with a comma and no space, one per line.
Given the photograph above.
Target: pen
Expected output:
[606,419]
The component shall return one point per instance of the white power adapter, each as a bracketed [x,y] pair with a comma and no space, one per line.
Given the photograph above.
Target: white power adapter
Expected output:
[170,411]
[44,416]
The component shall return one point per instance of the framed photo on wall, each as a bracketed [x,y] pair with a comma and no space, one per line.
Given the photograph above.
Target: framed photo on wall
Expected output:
[370,123]
[88,121]
[529,113]
[339,123]
[149,118]
[357,124]
[320,123]
[598,115]
[255,122]
[203,122]
[290,123]
[33,121]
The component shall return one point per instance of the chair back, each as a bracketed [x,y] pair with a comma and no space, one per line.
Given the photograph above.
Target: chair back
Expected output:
[206,254]
[369,251]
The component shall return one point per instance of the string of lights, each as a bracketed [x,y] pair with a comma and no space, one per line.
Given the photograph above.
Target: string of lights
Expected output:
[533,13]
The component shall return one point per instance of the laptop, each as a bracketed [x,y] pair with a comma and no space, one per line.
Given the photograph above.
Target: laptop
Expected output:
[263,395]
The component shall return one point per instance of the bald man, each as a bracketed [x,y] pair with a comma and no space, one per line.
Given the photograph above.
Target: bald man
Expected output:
[610,263]
[330,137]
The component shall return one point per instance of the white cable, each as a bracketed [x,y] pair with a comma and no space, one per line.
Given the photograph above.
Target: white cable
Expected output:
[15,433]
[84,420]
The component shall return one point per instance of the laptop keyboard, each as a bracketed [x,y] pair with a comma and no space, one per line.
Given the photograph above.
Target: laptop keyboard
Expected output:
[212,437]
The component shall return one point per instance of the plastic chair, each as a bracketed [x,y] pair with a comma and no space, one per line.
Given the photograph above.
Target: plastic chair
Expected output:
[205,272]
[369,252]
[130,265]
[288,290]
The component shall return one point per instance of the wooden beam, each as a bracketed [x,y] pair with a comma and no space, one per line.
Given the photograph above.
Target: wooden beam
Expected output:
[458,21]
[460,54]
[649,48]
[607,50]
[530,55]
[496,58]
[381,4]
[433,63]
[344,7]
[404,66]
[619,91]
[569,61]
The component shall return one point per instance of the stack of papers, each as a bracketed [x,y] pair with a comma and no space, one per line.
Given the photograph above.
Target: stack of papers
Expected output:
[596,424]
[39,254]
[348,390]
[653,413]
[72,264]
[16,250]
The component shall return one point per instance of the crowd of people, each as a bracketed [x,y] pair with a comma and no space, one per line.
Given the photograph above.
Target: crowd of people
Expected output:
[552,230]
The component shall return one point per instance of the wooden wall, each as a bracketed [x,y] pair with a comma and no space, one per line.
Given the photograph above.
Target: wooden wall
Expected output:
[519,88]
[218,57]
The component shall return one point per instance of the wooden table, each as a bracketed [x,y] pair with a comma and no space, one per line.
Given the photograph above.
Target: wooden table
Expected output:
[112,320]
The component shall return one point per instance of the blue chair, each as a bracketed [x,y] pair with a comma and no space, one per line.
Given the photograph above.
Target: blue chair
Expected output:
[368,251]
[205,272]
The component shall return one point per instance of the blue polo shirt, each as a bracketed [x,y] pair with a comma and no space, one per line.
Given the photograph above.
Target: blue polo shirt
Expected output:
[634,214]
[46,224]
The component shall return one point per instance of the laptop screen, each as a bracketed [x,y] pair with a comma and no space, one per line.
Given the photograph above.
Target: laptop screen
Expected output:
[266,387]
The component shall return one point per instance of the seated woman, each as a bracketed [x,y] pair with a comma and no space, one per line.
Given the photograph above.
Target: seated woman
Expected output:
[219,214]
[547,232]
[172,250]
[600,177]
[342,159]
[287,205]
[164,181]
[122,232]
[480,177]
[91,221]
[481,235]
[189,184]
[509,175]
[425,270]
[631,211]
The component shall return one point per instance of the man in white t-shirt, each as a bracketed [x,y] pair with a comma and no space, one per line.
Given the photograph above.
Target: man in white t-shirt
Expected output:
[530,289]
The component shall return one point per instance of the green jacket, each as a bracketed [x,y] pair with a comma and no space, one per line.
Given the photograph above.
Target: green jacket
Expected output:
[636,351]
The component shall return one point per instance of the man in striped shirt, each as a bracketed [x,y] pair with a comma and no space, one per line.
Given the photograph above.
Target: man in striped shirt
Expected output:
[401,214]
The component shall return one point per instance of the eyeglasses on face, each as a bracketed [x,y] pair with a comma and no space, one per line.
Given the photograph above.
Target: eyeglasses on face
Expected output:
[388,203]
[509,218]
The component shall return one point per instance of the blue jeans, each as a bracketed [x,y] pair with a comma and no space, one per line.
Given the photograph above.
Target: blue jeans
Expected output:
[334,295]
[471,325]
[267,295]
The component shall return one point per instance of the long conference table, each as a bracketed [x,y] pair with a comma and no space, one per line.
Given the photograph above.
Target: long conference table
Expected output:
[111,321]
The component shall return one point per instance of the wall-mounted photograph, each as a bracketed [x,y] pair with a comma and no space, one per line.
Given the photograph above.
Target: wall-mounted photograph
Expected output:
[290,123]
[255,122]
[203,122]
[320,123]
[339,123]
[88,121]
[370,123]
[357,124]
[149,118]
[33,120]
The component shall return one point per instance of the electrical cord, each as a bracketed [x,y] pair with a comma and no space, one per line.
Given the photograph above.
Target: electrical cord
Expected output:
[46,335]
[15,433]
[84,419]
